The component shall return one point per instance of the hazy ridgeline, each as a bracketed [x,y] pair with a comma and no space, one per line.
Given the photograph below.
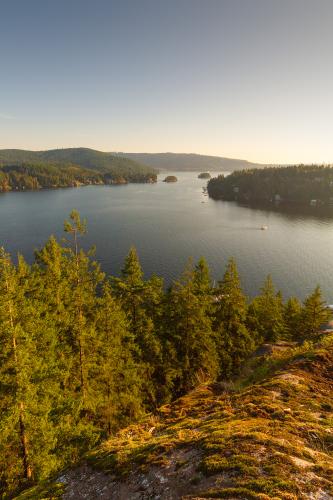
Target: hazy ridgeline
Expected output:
[83,353]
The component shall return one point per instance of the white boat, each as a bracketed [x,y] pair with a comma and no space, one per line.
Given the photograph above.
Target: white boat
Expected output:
[264,227]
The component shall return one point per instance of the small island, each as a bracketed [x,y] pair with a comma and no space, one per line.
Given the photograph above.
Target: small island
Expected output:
[170,178]
[204,175]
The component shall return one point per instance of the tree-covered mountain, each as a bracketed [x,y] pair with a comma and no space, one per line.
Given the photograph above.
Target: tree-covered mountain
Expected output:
[294,185]
[21,169]
[84,354]
[85,157]
[188,162]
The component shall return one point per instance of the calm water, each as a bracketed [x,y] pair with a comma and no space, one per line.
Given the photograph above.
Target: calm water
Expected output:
[168,223]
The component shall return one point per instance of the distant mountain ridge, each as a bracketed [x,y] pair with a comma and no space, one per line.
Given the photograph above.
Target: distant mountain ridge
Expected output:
[102,161]
[84,157]
[188,162]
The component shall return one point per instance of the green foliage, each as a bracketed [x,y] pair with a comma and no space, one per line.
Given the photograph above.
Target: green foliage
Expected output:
[266,314]
[24,170]
[117,376]
[28,384]
[234,341]
[313,315]
[138,298]
[189,326]
[83,355]
[283,185]
[292,316]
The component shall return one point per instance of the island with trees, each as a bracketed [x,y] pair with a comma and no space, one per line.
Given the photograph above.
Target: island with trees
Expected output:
[301,185]
[84,354]
[204,175]
[170,178]
[25,170]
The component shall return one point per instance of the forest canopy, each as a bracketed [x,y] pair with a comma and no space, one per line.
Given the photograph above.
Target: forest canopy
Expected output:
[23,170]
[294,185]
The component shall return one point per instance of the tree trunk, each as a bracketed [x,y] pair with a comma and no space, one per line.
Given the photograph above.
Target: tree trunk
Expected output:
[27,470]
[24,445]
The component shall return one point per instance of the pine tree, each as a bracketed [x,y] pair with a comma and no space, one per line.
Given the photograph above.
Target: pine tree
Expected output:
[137,299]
[203,284]
[292,317]
[84,277]
[54,293]
[202,280]
[117,376]
[313,315]
[188,326]
[55,279]
[27,379]
[266,316]
[233,339]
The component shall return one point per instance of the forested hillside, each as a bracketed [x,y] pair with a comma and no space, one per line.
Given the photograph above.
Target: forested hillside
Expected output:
[188,162]
[295,185]
[83,354]
[67,167]
[266,436]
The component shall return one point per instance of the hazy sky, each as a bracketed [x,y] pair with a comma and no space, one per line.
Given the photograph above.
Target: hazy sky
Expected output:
[240,78]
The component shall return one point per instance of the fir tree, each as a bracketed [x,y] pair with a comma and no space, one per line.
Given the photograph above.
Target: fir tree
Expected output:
[54,276]
[313,315]
[266,316]
[188,326]
[53,293]
[137,299]
[202,280]
[292,317]
[27,379]
[117,376]
[234,341]
[203,284]
[84,277]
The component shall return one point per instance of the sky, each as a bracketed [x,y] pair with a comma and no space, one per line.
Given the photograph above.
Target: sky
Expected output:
[250,79]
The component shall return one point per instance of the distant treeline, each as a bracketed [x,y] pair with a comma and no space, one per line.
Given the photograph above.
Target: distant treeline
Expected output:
[294,185]
[83,353]
[27,176]
[21,170]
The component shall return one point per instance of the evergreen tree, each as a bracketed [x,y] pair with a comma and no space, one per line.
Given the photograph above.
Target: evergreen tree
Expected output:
[313,315]
[202,280]
[188,326]
[266,316]
[54,276]
[27,379]
[53,293]
[292,317]
[84,277]
[202,283]
[132,292]
[117,376]
[234,341]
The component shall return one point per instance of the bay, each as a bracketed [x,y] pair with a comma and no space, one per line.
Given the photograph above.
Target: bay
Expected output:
[168,223]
